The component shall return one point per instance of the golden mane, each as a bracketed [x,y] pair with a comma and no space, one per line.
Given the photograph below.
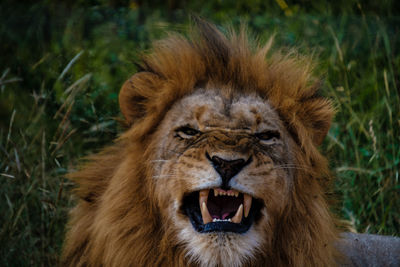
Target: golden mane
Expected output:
[116,221]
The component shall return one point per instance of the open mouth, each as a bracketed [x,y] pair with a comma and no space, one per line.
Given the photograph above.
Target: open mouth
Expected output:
[218,210]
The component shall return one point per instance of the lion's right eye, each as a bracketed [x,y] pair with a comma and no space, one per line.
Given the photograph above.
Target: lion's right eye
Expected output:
[187,132]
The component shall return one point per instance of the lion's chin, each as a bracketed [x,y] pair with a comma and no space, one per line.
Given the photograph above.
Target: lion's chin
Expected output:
[221,248]
[221,210]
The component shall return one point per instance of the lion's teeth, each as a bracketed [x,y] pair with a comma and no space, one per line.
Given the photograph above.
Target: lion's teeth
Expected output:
[247,204]
[203,196]
[205,213]
[221,220]
[220,192]
[239,214]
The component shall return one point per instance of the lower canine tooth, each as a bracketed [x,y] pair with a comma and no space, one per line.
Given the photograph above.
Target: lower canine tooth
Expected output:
[239,214]
[247,204]
[205,214]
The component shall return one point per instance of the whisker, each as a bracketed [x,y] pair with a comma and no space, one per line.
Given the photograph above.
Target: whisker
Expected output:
[160,160]
[293,166]
[163,176]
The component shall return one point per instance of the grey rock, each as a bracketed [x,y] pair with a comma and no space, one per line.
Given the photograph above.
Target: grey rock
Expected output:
[369,250]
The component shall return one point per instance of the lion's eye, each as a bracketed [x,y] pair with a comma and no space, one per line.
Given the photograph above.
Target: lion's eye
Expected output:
[187,132]
[268,135]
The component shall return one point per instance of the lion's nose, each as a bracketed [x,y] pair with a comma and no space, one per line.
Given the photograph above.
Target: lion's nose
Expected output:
[227,168]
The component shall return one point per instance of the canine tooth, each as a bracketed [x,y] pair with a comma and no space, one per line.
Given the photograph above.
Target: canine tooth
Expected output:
[205,213]
[247,204]
[239,214]
[215,192]
[203,196]
[236,193]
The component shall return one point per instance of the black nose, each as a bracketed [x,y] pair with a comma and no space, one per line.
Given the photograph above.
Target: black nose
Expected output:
[227,168]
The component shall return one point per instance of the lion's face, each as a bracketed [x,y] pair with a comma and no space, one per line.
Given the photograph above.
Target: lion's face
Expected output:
[222,173]
[219,167]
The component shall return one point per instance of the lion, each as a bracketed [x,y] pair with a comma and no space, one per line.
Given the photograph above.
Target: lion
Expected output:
[219,165]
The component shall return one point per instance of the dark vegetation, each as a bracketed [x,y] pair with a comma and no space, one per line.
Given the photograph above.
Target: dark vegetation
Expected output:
[62,65]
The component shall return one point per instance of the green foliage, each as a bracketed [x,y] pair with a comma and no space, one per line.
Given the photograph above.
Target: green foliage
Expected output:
[63,64]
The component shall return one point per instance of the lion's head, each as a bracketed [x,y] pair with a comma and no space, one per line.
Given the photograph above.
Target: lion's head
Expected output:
[219,167]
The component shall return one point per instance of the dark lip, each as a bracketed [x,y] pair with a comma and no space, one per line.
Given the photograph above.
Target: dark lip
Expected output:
[190,207]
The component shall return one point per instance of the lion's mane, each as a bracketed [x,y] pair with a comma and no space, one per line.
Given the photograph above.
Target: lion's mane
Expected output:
[117,221]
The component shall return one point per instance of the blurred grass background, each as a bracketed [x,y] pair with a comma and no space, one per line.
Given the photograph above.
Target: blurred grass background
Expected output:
[62,65]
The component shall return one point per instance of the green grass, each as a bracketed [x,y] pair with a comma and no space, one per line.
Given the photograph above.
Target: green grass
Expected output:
[62,67]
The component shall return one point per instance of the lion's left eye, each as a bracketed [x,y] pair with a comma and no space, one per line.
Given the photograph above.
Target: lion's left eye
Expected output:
[268,135]
[187,132]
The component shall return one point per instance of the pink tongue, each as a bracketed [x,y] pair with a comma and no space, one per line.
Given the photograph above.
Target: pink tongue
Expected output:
[225,215]
[222,218]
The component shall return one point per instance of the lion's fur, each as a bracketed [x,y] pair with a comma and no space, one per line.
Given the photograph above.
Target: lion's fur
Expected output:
[117,221]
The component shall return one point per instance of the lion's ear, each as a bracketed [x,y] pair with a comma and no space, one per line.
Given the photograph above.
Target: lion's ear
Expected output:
[135,96]
[317,116]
